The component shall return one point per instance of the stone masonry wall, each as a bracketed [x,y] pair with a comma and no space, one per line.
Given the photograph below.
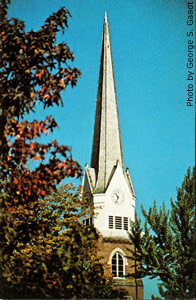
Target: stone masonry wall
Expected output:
[132,286]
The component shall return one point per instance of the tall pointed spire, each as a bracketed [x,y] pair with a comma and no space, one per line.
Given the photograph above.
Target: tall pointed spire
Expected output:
[106,150]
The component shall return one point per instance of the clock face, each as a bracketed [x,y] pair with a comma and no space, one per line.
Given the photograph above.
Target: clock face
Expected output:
[118,196]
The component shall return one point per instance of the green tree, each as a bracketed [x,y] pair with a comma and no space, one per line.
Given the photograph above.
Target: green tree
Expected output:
[166,248]
[56,255]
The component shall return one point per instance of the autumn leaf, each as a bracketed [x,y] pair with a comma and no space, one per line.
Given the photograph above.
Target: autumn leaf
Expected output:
[36,157]
[39,75]
[61,82]
[15,181]
[43,89]
[47,96]
[69,77]
[42,193]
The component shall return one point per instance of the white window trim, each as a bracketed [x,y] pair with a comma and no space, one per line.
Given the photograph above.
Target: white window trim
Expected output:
[117,266]
[121,252]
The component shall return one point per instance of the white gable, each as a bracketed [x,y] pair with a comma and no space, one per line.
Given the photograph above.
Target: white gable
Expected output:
[106,209]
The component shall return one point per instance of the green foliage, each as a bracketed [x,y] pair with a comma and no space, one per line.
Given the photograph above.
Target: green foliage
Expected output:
[167,247]
[107,290]
[51,253]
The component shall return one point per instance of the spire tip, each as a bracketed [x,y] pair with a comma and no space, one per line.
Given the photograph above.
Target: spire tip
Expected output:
[105,19]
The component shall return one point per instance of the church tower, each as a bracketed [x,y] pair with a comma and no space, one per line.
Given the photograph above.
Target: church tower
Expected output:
[110,186]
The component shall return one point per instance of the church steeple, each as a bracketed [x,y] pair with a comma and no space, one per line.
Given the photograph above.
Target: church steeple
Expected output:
[107,185]
[106,150]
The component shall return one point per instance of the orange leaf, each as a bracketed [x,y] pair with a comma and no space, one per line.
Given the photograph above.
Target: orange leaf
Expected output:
[43,89]
[69,76]
[3,35]
[15,181]
[24,47]
[36,157]
[46,131]
[43,193]
[39,75]
[69,171]
[61,82]
[9,157]
[32,145]
[47,96]
[61,164]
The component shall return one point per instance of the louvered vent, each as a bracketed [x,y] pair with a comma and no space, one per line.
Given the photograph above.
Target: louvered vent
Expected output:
[125,223]
[111,222]
[118,222]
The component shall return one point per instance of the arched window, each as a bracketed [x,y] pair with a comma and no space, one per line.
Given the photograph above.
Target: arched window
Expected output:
[118,266]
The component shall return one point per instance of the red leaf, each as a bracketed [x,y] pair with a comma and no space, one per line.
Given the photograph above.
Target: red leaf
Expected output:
[15,181]
[69,76]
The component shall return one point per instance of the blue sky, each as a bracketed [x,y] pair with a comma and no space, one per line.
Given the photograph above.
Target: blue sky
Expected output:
[150,52]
